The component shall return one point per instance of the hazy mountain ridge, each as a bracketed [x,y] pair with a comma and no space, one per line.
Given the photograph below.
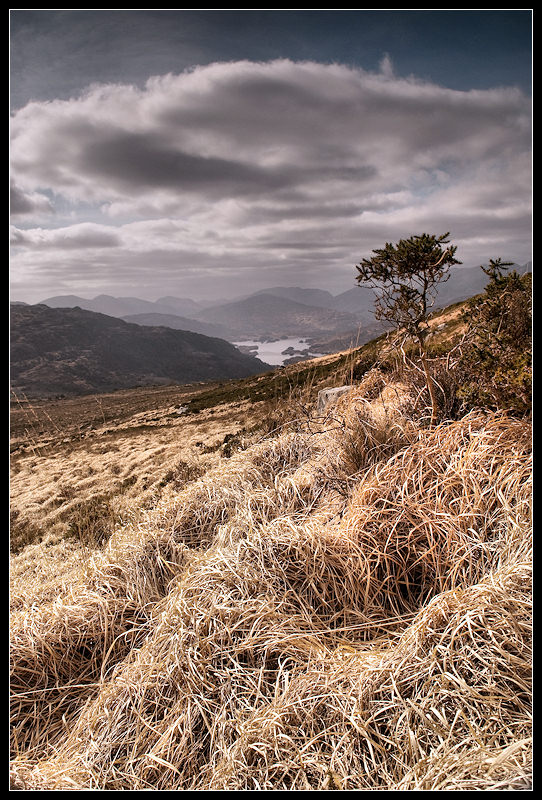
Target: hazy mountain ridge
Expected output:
[124,306]
[277,317]
[75,351]
[462,281]
[308,296]
[275,312]
[182,324]
[183,306]
[465,282]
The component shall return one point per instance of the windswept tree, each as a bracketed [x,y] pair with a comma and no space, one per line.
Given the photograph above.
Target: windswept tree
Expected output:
[405,277]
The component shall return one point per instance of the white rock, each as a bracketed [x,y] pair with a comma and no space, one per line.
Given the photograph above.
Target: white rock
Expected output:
[328,396]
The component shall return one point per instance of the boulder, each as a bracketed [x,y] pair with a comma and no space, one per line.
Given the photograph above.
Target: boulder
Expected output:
[328,396]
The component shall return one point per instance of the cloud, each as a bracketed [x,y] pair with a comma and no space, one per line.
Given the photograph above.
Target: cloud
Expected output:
[386,66]
[127,161]
[23,203]
[246,166]
[82,236]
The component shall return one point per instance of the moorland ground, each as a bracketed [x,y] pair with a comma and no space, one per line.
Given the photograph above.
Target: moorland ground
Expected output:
[252,594]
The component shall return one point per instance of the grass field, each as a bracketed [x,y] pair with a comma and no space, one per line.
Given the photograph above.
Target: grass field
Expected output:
[251,595]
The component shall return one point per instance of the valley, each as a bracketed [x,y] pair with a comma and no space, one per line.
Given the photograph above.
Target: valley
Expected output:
[279,352]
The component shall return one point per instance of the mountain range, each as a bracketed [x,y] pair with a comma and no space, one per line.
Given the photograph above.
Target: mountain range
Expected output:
[74,351]
[273,317]
[269,314]
[124,306]
[71,345]
[259,315]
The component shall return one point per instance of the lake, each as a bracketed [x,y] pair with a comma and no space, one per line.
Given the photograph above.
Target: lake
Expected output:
[272,352]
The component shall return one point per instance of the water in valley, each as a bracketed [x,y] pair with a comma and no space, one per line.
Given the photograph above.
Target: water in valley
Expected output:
[273,352]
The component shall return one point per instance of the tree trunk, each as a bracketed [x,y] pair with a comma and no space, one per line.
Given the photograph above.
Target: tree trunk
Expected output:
[430,385]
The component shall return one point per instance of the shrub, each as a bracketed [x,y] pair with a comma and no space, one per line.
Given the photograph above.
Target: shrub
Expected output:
[495,363]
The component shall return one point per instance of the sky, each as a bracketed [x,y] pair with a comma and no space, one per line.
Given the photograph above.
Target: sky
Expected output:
[207,154]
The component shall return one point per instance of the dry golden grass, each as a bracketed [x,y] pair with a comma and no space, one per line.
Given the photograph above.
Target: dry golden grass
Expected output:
[341,606]
[127,466]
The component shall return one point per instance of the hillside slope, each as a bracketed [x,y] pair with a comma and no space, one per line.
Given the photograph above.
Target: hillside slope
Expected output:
[260,594]
[72,351]
[357,590]
[180,323]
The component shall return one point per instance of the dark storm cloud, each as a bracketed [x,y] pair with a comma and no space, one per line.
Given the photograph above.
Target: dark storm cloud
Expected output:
[144,162]
[227,146]
[253,100]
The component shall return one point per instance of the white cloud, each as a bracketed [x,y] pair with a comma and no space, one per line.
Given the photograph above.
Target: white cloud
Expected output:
[81,236]
[243,165]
